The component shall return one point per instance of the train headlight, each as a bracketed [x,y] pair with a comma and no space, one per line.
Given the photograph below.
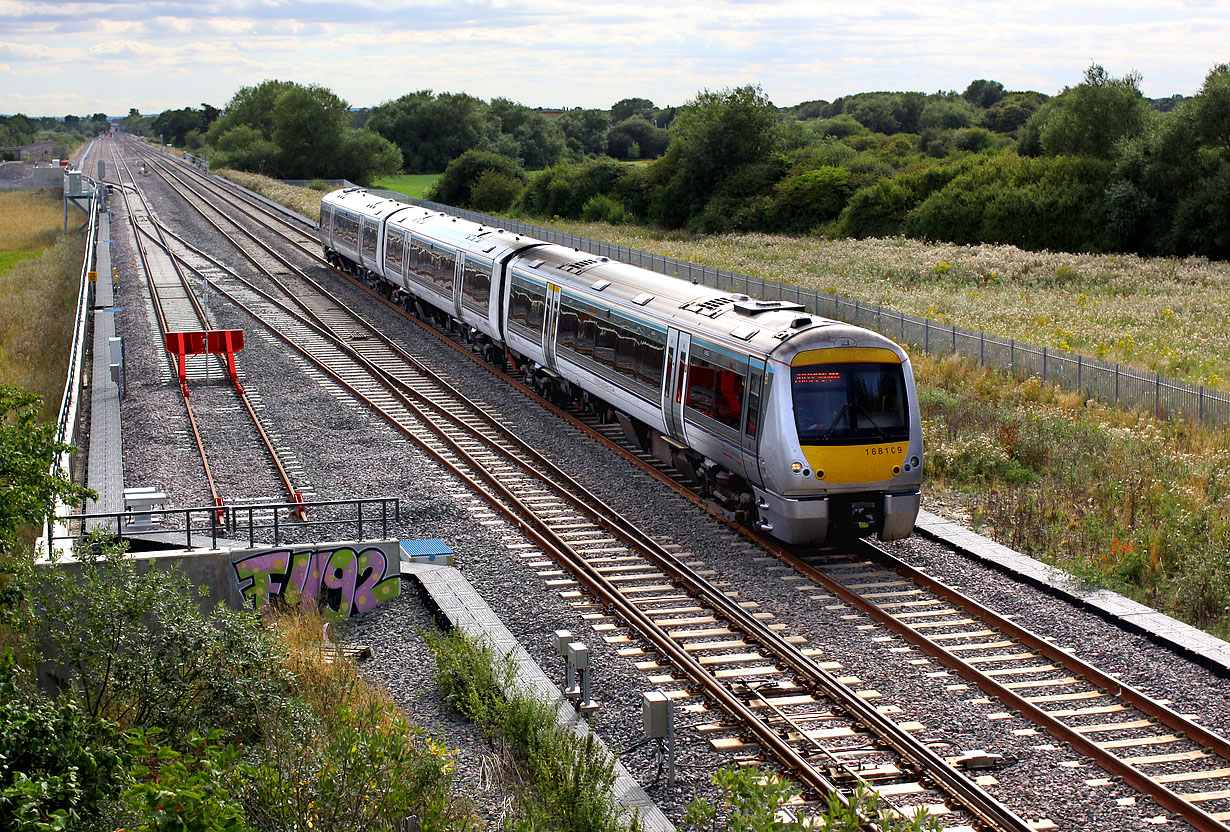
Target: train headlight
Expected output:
[913,462]
[796,467]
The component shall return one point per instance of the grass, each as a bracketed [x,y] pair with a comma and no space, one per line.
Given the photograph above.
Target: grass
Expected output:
[305,201]
[569,779]
[40,267]
[413,185]
[1109,495]
[1164,315]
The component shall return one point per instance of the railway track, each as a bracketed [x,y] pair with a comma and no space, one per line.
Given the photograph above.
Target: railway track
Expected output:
[233,430]
[1089,710]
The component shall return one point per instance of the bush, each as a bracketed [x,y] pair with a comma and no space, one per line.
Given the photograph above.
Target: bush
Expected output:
[803,201]
[140,651]
[58,765]
[494,191]
[455,185]
[601,208]
[176,792]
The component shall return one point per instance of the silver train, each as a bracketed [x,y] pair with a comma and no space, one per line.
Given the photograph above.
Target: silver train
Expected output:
[804,427]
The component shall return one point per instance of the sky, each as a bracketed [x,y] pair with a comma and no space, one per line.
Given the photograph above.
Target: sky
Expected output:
[112,55]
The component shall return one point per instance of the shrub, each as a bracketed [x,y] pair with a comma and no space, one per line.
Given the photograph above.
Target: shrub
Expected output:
[455,185]
[494,191]
[58,765]
[601,208]
[178,792]
[140,651]
[803,201]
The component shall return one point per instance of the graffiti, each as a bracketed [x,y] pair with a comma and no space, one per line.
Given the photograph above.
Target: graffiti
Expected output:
[345,582]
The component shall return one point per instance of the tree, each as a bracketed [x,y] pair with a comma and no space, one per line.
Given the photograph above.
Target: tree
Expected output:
[1211,109]
[589,129]
[310,128]
[1092,117]
[433,130]
[368,155]
[636,138]
[714,135]
[632,108]
[29,487]
[983,93]
[454,186]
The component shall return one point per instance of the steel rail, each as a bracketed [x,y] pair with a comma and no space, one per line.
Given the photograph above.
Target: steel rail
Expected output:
[1195,816]
[159,312]
[266,442]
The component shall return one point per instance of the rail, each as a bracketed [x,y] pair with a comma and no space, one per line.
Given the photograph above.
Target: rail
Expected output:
[263,523]
[1114,383]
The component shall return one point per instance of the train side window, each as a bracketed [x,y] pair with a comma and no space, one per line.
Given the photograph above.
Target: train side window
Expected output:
[420,260]
[714,390]
[527,306]
[752,423]
[369,240]
[476,284]
[326,218]
[443,266]
[394,251]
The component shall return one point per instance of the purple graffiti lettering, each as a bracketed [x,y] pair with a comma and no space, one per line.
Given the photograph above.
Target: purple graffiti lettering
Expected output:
[344,582]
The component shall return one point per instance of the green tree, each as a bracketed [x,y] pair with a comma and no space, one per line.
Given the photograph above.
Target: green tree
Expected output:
[627,108]
[367,155]
[714,135]
[636,138]
[1091,118]
[29,487]
[983,93]
[433,130]
[455,185]
[803,201]
[588,128]
[1211,109]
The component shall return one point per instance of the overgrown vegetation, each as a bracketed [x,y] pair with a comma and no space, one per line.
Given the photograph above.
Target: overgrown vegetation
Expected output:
[1114,496]
[305,201]
[570,779]
[40,268]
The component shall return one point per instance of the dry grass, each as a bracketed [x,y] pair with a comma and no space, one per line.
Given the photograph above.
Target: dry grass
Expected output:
[40,296]
[1166,315]
[303,200]
[1112,495]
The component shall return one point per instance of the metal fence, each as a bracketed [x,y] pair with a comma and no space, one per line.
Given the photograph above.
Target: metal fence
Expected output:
[1114,383]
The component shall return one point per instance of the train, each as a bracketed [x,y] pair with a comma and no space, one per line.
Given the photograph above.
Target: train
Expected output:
[803,427]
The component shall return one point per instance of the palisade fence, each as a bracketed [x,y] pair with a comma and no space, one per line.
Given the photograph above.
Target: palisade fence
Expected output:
[1114,383]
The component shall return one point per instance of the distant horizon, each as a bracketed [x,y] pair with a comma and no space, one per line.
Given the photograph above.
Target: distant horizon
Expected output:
[55,60]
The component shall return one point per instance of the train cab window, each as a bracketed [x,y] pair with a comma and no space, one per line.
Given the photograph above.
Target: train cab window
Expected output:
[369,240]
[394,251]
[527,304]
[715,389]
[326,218]
[842,404]
[476,284]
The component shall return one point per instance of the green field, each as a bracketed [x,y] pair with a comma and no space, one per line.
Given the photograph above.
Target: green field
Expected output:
[411,184]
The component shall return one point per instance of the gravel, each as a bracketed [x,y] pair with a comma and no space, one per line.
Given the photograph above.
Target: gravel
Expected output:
[348,452]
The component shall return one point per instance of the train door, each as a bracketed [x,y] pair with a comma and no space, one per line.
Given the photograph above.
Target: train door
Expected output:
[550,324]
[753,407]
[677,344]
[459,262]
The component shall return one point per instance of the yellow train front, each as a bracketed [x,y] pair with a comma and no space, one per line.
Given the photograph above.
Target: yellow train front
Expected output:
[841,453]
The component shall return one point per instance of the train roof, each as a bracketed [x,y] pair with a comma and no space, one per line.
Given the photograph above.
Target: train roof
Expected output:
[776,327]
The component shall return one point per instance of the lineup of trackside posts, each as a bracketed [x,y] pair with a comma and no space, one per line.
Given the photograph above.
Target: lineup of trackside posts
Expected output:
[804,427]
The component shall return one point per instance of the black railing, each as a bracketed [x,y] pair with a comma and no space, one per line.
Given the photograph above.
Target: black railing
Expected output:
[260,523]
